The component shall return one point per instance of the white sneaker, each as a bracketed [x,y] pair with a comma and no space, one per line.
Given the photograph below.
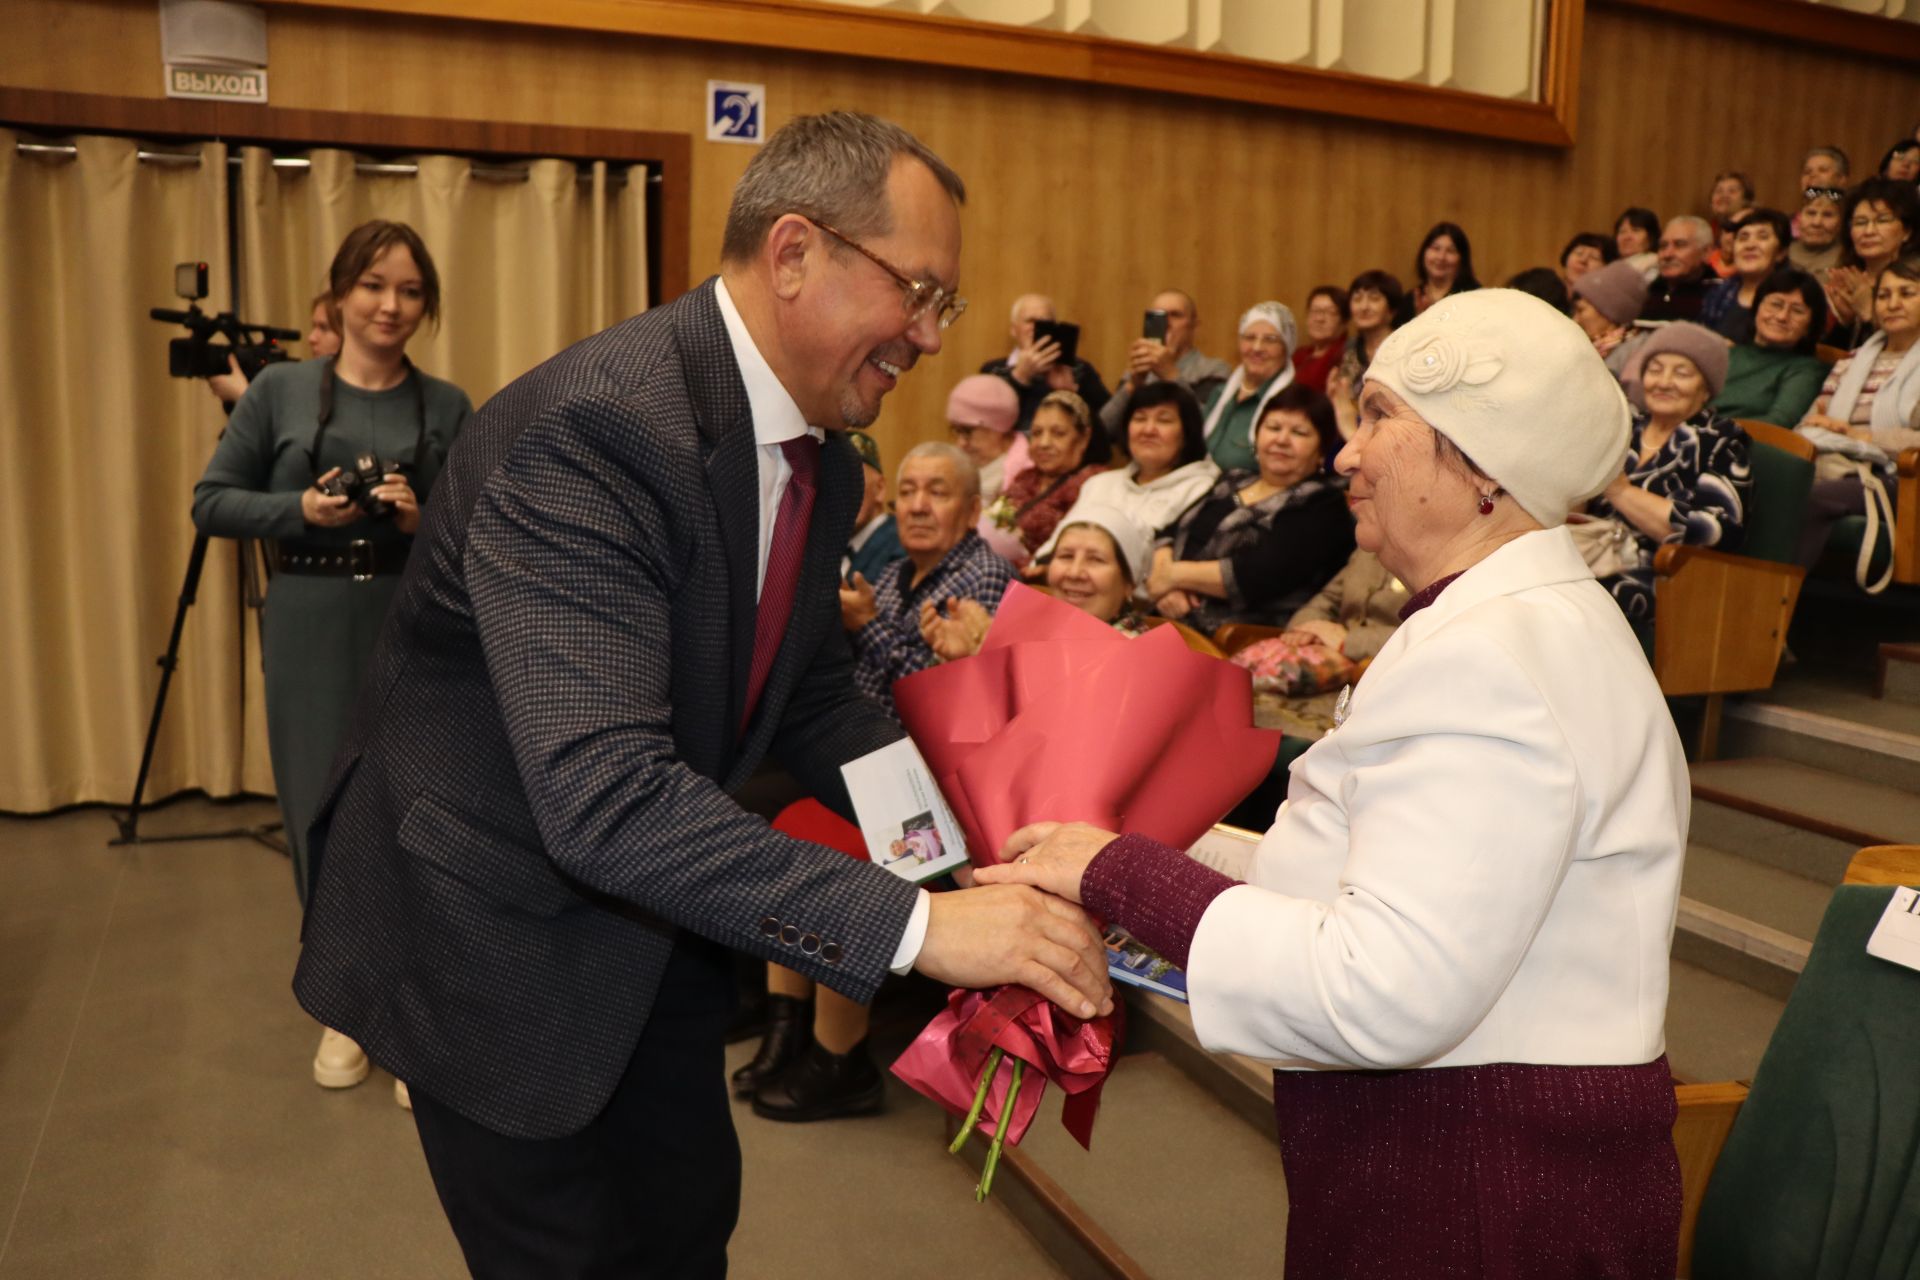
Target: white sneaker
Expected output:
[339,1063]
[401,1096]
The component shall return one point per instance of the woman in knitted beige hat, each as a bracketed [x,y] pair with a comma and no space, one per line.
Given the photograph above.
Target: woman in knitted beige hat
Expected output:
[1454,936]
[1688,476]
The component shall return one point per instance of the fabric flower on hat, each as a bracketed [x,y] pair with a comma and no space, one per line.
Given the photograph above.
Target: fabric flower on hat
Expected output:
[1442,361]
[1518,388]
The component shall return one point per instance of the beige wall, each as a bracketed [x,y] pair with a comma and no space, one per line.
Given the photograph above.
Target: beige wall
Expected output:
[1097,196]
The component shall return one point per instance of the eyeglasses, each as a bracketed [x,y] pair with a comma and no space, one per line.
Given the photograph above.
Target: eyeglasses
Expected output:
[919,295]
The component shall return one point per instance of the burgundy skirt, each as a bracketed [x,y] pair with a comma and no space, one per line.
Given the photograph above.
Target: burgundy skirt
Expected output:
[1496,1172]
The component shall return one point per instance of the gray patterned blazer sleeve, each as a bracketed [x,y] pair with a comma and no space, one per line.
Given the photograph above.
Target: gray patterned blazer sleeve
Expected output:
[574,613]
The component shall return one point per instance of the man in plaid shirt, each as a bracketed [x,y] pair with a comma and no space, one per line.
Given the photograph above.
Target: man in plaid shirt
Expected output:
[936,505]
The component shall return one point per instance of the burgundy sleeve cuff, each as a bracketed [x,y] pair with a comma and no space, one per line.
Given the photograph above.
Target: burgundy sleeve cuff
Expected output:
[1155,893]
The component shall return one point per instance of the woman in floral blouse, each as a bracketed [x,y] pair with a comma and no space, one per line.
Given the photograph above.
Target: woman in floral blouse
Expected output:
[1066,452]
[1687,477]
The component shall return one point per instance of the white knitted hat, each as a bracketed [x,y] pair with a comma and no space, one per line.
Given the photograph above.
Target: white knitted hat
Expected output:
[1134,539]
[1518,387]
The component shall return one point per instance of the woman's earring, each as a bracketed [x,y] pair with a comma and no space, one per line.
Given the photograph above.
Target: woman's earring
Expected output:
[1486,504]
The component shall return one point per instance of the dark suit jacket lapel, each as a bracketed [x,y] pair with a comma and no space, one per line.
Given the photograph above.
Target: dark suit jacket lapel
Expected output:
[733,478]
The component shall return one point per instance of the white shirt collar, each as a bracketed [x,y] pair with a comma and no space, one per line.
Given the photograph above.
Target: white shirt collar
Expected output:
[776,418]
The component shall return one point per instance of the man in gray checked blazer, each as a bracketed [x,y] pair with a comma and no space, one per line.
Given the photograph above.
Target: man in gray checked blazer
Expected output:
[528,864]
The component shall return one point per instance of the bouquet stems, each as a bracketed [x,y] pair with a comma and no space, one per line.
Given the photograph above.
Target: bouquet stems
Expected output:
[987,1073]
[981,1192]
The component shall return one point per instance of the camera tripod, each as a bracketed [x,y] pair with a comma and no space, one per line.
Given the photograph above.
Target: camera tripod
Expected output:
[129,823]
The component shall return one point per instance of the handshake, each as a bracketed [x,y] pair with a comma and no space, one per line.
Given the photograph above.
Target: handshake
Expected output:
[1021,922]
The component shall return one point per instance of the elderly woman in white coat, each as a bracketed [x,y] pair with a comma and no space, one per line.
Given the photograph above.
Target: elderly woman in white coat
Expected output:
[1454,937]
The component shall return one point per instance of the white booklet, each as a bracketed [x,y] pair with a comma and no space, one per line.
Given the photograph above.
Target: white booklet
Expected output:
[905,821]
[1897,936]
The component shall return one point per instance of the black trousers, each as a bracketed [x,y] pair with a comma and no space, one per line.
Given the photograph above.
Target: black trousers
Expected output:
[650,1188]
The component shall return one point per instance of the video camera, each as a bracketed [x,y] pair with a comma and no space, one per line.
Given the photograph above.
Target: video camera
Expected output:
[198,356]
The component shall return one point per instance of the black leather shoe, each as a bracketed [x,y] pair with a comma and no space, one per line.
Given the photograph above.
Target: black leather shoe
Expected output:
[789,1032]
[822,1085]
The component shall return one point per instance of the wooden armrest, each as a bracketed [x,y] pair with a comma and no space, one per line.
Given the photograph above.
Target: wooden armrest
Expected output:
[1188,636]
[1897,864]
[1906,518]
[1669,560]
[1782,438]
[1235,636]
[1700,1130]
[1721,620]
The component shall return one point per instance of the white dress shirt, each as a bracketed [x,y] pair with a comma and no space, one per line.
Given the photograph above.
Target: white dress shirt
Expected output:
[777,419]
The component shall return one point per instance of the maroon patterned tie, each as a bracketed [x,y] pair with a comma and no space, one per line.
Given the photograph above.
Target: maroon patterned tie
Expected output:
[783,565]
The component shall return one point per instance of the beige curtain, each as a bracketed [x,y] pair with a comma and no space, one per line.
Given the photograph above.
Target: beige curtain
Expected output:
[531,257]
[103,448]
[101,452]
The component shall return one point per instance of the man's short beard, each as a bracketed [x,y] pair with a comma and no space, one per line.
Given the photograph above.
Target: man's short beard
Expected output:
[854,414]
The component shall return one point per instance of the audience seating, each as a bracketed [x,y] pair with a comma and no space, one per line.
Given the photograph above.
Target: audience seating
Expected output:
[1830,356]
[1194,640]
[1806,1171]
[1847,533]
[1721,620]
[1235,636]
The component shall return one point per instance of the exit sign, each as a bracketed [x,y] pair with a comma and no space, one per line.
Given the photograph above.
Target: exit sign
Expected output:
[216,84]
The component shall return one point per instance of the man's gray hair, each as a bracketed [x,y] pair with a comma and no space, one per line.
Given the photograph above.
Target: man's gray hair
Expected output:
[830,168]
[1701,228]
[1834,154]
[962,465]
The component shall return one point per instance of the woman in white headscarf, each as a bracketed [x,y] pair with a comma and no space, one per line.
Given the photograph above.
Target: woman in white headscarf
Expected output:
[1267,339]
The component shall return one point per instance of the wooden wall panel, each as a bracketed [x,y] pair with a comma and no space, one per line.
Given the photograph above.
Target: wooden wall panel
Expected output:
[1099,196]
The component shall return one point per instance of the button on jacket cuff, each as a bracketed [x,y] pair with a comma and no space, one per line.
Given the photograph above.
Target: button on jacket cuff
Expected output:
[916,935]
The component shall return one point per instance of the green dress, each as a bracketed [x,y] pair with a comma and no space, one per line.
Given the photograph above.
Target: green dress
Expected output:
[1770,385]
[1230,444]
[320,631]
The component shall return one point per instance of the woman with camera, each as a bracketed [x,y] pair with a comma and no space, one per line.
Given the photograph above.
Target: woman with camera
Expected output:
[329,460]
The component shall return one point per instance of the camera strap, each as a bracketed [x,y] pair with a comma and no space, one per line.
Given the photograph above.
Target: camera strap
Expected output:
[326,414]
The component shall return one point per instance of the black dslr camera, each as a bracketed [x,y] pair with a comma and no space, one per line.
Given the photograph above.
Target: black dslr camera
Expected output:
[359,481]
[197,355]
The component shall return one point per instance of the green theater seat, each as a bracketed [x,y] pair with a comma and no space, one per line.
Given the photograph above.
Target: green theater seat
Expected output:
[1820,1175]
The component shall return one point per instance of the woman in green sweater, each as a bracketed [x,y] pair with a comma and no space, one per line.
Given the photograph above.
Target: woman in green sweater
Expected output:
[368,414]
[1267,339]
[1774,377]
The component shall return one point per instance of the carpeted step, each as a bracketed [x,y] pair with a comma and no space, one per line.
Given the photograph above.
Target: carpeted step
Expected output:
[1899,676]
[1829,723]
[1796,817]
[1716,1028]
[1745,920]
[1175,1176]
